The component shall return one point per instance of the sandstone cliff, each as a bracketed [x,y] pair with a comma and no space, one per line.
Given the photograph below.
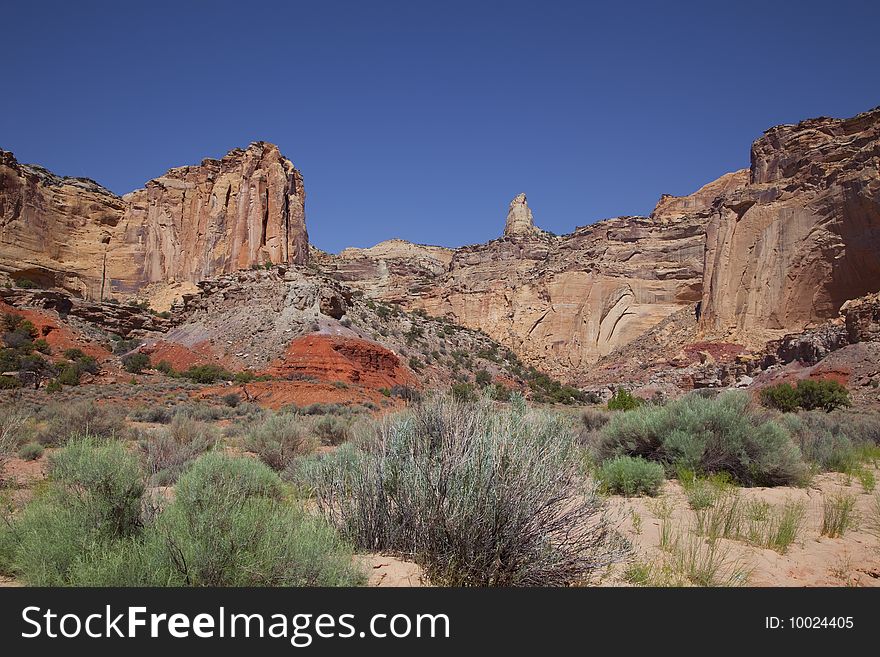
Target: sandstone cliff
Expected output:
[559,302]
[188,225]
[787,250]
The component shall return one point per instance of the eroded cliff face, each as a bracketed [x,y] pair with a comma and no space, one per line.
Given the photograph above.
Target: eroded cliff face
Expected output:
[55,231]
[193,223]
[559,302]
[787,250]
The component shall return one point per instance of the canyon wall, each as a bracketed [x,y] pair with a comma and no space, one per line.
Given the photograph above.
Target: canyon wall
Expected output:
[788,249]
[193,223]
[559,302]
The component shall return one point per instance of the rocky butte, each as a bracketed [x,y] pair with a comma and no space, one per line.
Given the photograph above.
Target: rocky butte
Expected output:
[192,223]
[774,249]
[755,254]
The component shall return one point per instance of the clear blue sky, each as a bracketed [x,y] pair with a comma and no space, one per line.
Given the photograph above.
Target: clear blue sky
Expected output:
[422,120]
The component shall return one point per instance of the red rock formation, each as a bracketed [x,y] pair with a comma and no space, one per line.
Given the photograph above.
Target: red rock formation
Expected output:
[193,223]
[803,237]
[334,358]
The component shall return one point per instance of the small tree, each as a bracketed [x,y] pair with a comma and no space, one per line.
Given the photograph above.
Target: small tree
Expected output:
[624,400]
[136,363]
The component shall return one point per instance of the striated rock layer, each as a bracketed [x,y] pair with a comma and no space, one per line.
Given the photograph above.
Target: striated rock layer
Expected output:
[803,237]
[757,253]
[559,302]
[195,222]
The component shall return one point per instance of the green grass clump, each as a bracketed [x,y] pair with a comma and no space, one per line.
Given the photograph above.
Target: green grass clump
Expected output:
[30,451]
[838,514]
[630,476]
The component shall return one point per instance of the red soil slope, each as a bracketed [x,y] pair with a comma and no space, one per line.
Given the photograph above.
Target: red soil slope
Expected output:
[336,358]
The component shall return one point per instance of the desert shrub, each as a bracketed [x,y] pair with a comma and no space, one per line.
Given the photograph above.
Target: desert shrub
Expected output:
[164,367]
[42,346]
[30,451]
[227,526]
[407,393]
[124,346]
[463,392]
[482,378]
[332,430]
[624,400]
[808,394]
[105,478]
[9,382]
[73,354]
[725,434]
[81,418]
[628,475]
[280,439]
[231,399]
[823,441]
[825,395]
[500,392]
[69,375]
[838,514]
[477,497]
[386,392]
[153,414]
[13,420]
[783,397]
[135,363]
[415,364]
[54,386]
[167,453]
[207,374]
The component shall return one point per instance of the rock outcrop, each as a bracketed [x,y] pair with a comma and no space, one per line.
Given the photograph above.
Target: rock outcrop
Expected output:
[787,250]
[193,223]
[519,218]
[559,302]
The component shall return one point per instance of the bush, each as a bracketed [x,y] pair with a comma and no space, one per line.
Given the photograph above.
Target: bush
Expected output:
[135,363]
[463,392]
[207,374]
[823,441]
[332,430]
[9,382]
[105,479]
[227,526]
[30,451]
[809,395]
[151,414]
[482,378]
[783,397]
[69,375]
[232,399]
[281,439]
[500,392]
[169,452]
[80,419]
[628,475]
[838,514]
[164,367]
[825,395]
[624,400]
[472,495]
[708,436]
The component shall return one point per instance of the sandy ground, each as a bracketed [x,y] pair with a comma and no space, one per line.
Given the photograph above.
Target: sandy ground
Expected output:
[813,560]
[390,571]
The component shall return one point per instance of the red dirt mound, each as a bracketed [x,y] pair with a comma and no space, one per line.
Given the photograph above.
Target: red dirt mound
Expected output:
[275,394]
[182,358]
[336,358]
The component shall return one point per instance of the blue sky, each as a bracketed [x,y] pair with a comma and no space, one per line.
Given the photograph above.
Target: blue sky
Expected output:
[422,120]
